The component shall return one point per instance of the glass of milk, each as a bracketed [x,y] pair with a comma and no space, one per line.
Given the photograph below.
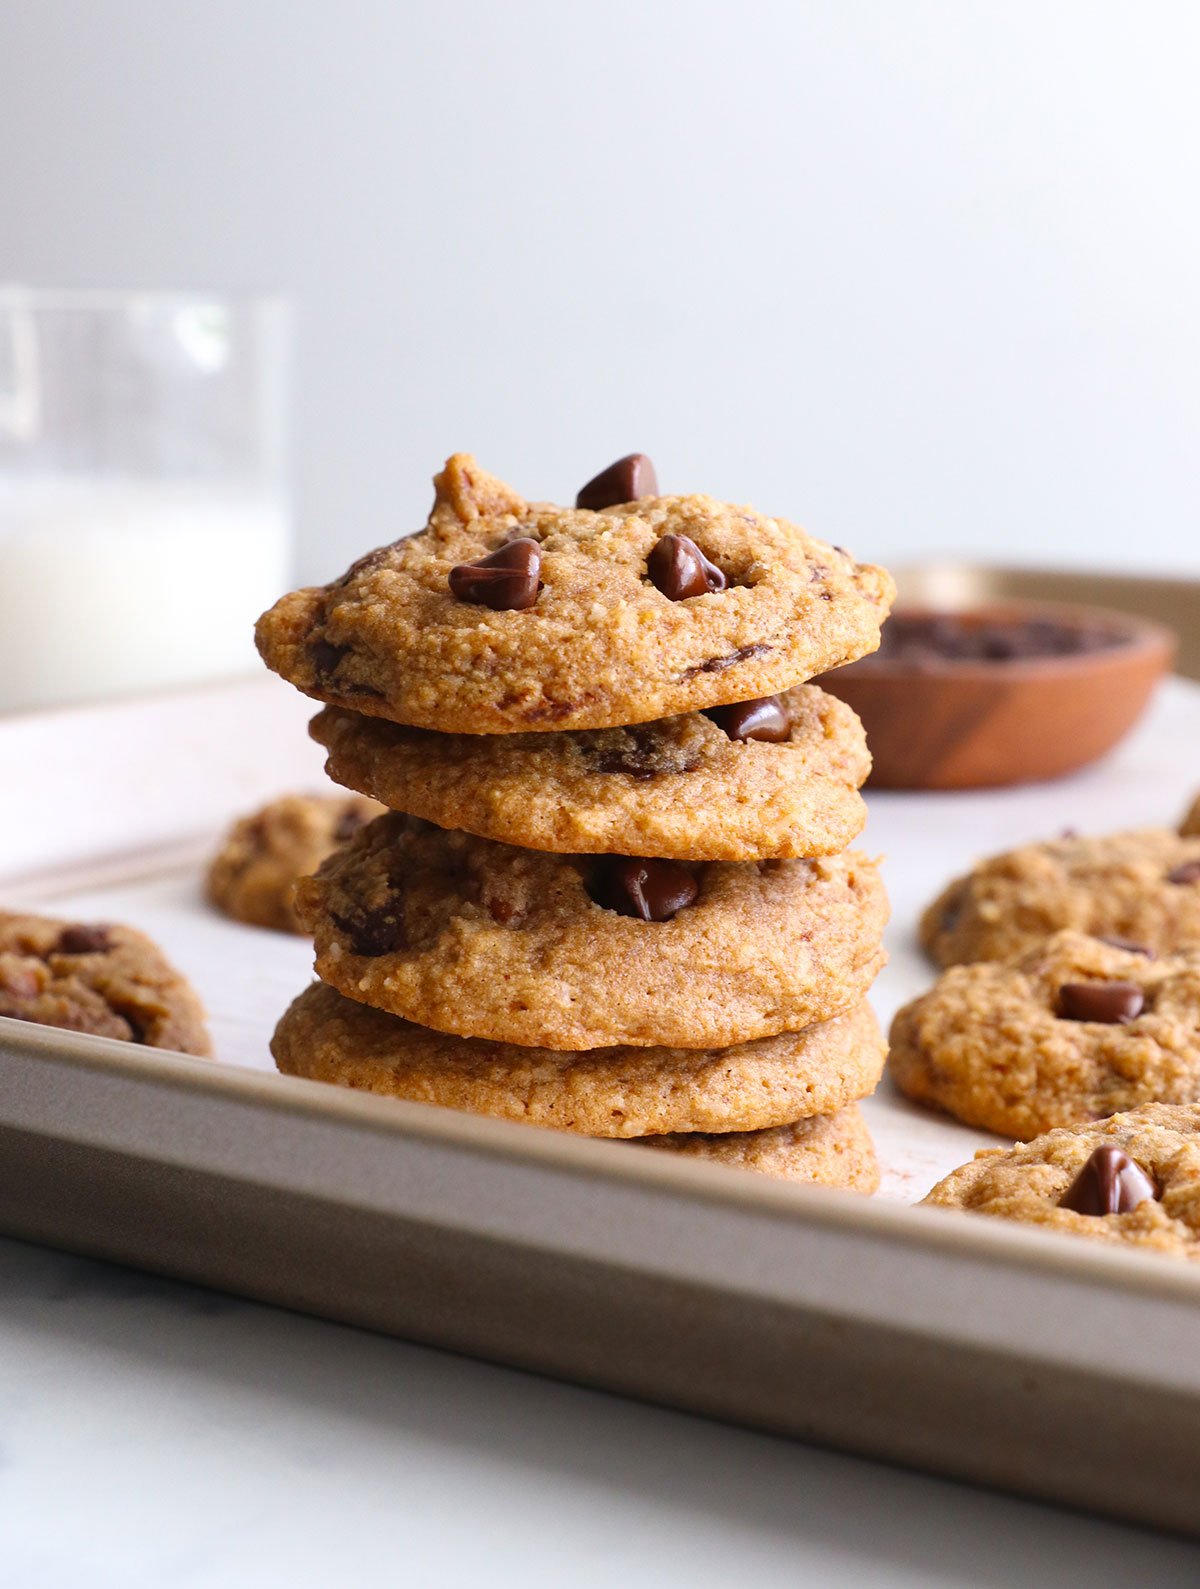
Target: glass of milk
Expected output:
[143,513]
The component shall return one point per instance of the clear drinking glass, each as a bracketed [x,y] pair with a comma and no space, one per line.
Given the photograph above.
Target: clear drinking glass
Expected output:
[143,511]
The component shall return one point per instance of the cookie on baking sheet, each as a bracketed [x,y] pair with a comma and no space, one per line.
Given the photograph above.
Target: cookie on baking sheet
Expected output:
[603,1092]
[828,1150]
[778,777]
[1076,1029]
[504,616]
[253,874]
[1143,886]
[573,952]
[97,977]
[1133,1179]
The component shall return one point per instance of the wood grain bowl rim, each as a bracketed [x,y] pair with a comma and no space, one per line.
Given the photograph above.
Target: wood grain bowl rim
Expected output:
[1142,640]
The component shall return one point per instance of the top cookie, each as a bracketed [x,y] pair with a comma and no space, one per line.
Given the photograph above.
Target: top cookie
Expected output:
[609,617]
[100,978]
[1133,1179]
[693,787]
[1142,886]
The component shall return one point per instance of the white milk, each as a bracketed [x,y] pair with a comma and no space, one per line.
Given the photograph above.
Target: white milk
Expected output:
[111,587]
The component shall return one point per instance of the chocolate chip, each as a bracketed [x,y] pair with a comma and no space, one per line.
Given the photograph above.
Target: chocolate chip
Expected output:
[679,569]
[719,664]
[767,719]
[649,890]
[628,480]
[83,940]
[505,580]
[349,823]
[372,932]
[1109,1003]
[1109,1183]
[326,656]
[1128,945]
[1188,872]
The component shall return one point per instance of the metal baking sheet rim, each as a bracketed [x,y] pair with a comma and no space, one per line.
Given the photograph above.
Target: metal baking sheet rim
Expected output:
[971,1348]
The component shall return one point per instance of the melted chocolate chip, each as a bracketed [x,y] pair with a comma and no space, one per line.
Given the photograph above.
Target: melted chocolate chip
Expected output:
[649,890]
[1188,872]
[506,580]
[678,568]
[372,932]
[628,480]
[349,823]
[83,940]
[1128,945]
[766,719]
[1109,1183]
[1109,1003]
[719,664]
[326,657]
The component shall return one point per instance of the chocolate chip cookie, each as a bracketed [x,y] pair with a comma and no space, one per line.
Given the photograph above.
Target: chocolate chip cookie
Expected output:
[830,1150]
[97,977]
[765,779]
[252,877]
[504,616]
[1075,1030]
[567,952]
[1133,1179]
[1143,886]
[604,1092]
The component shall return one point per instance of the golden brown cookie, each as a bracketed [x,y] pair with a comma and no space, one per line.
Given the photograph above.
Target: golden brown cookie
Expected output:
[1133,1180]
[486,940]
[1143,886]
[97,977]
[828,1150]
[691,788]
[597,628]
[1073,1031]
[252,877]
[603,1092]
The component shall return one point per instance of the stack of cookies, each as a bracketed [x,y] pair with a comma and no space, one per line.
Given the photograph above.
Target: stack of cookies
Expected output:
[612,893]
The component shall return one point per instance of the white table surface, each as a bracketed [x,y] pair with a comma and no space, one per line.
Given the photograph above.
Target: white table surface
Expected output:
[153,1436]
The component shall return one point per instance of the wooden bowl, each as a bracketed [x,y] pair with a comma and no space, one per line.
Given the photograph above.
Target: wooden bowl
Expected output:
[953,724]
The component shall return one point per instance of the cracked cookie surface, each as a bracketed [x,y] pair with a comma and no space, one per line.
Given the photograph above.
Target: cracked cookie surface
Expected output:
[602,1092]
[1028,1182]
[680,788]
[601,646]
[252,877]
[101,978]
[997,1045]
[1142,885]
[487,940]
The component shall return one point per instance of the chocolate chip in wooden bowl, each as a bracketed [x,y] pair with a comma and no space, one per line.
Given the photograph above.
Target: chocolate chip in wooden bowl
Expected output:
[646,889]
[1110,1182]
[767,719]
[678,568]
[1108,1003]
[84,940]
[628,480]
[1187,872]
[506,580]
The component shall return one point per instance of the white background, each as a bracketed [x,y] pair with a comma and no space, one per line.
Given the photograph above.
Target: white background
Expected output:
[922,275]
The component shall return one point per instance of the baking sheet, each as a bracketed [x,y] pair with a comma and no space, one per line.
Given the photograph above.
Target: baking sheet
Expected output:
[247,976]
